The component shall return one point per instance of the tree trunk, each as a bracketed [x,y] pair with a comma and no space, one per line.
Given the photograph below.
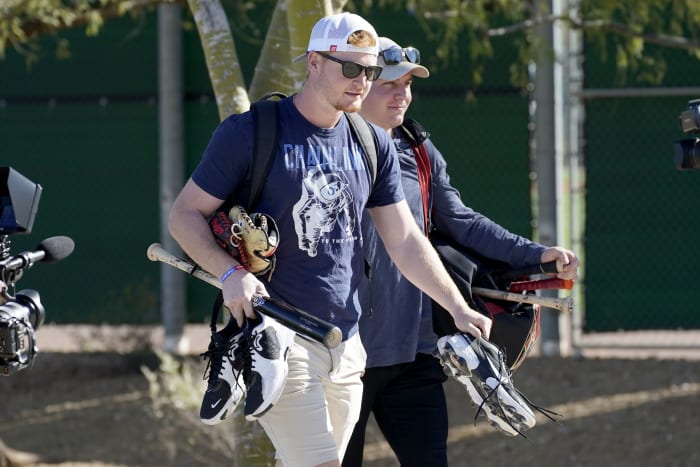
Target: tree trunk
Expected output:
[220,54]
[287,38]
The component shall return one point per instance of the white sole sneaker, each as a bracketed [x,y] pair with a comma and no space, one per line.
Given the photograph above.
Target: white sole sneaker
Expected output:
[269,346]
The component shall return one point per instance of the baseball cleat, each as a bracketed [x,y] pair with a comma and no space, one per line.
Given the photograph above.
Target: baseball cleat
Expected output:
[265,370]
[480,367]
[225,387]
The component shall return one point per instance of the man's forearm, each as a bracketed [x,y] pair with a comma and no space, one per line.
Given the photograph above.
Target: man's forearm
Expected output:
[191,231]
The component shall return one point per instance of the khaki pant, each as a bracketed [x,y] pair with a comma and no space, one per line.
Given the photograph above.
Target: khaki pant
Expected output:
[314,418]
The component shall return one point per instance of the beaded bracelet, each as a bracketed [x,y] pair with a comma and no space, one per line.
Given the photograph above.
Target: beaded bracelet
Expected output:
[233,269]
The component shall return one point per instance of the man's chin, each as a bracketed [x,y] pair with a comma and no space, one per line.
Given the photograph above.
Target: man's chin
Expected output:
[350,108]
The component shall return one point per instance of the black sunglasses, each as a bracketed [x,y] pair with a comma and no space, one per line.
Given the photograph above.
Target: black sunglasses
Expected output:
[352,70]
[394,55]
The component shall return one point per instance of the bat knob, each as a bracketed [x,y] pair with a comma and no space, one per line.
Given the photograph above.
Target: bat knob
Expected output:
[333,338]
[151,252]
[560,265]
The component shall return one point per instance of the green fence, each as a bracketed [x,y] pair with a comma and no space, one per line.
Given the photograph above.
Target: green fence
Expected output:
[642,214]
[87,130]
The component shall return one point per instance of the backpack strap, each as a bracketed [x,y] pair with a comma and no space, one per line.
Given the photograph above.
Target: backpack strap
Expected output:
[365,136]
[265,129]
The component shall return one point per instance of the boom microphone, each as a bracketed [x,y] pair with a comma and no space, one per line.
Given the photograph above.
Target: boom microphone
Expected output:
[49,250]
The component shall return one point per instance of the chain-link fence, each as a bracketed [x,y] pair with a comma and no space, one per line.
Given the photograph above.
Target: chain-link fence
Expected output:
[92,143]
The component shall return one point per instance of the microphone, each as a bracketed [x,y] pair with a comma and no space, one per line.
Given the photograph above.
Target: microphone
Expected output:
[49,250]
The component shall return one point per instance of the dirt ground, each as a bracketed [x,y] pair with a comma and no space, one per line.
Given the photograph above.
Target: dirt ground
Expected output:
[119,404]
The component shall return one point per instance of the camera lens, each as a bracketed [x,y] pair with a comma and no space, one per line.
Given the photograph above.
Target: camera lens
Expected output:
[30,300]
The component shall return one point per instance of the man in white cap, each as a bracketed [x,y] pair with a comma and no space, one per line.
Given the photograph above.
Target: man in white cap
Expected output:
[317,190]
[403,380]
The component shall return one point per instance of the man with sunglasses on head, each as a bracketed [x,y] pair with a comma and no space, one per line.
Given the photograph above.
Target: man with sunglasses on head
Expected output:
[317,190]
[403,380]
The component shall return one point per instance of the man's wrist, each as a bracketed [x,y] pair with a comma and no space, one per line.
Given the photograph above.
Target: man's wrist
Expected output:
[230,271]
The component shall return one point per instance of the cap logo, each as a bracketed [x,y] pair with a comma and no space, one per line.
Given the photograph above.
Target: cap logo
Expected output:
[333,48]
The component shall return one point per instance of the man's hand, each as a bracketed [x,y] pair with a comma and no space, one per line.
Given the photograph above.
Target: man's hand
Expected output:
[238,290]
[567,262]
[473,322]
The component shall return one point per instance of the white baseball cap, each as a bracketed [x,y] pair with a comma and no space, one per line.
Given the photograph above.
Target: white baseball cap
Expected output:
[331,33]
[393,71]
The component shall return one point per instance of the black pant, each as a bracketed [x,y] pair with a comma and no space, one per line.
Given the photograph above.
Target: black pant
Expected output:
[408,402]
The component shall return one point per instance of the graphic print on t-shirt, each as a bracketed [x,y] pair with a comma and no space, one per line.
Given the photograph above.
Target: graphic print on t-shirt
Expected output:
[326,202]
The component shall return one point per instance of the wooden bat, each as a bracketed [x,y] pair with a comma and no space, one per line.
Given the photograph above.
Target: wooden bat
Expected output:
[562,304]
[298,320]
[544,268]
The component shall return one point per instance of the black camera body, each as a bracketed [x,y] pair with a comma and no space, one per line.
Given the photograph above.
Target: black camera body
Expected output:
[687,151]
[22,313]
[19,318]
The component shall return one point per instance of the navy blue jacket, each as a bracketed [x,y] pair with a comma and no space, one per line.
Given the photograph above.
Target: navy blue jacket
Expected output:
[396,321]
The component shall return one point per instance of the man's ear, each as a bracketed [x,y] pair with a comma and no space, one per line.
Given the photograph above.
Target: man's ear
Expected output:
[313,61]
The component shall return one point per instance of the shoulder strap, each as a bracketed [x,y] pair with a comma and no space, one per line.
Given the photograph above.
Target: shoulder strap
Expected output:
[418,135]
[424,179]
[365,135]
[266,126]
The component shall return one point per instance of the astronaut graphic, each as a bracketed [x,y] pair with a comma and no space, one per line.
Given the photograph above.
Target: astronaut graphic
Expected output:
[326,201]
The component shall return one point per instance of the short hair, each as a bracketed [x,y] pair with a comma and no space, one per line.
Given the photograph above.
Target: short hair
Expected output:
[362,39]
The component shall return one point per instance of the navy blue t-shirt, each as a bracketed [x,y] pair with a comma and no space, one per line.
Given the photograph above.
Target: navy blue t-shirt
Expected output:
[317,190]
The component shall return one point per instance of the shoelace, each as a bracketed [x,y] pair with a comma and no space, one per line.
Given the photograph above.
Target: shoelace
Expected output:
[504,370]
[246,353]
[550,414]
[215,363]
[502,414]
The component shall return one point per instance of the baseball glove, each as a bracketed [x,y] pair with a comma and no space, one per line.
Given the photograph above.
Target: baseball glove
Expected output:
[251,239]
[480,366]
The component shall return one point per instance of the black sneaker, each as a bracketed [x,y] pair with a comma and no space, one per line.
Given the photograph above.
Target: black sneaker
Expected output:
[225,387]
[265,368]
[480,366]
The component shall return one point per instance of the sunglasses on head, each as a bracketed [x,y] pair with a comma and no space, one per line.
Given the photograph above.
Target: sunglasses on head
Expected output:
[352,70]
[395,55]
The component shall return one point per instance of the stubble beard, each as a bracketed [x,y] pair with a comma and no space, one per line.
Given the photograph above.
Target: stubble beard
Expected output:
[350,108]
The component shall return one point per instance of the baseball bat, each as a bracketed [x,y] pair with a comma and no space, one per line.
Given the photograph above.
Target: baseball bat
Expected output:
[551,267]
[562,304]
[298,320]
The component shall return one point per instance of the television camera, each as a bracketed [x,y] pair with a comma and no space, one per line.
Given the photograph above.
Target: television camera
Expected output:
[21,313]
[687,151]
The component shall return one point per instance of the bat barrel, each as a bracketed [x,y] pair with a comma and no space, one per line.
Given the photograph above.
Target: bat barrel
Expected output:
[299,321]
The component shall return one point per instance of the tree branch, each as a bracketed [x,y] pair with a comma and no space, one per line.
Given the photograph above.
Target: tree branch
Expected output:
[35,26]
[665,40]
